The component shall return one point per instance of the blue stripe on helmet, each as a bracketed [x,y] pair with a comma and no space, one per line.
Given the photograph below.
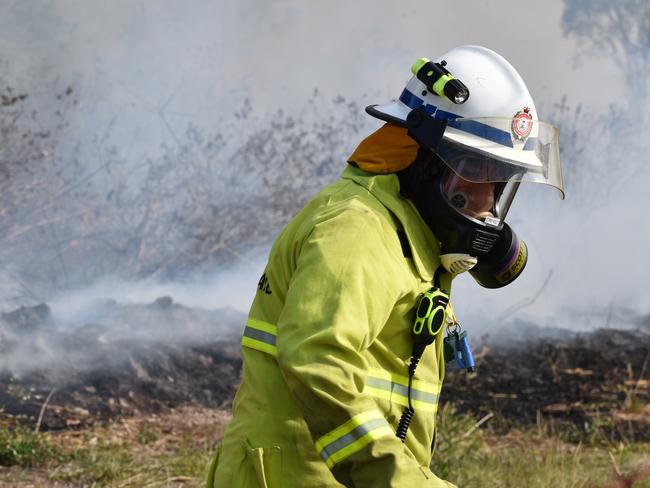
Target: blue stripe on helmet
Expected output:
[470,126]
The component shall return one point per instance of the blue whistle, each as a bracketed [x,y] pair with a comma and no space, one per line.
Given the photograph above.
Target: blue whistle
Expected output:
[464,358]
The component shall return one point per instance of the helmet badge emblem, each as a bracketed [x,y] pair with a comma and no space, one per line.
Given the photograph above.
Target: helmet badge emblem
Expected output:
[522,124]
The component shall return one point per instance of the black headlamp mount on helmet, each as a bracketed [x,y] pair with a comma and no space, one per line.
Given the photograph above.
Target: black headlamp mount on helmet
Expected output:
[425,129]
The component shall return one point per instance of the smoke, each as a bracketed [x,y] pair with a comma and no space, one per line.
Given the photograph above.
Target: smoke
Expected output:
[588,266]
[108,324]
[232,288]
[193,132]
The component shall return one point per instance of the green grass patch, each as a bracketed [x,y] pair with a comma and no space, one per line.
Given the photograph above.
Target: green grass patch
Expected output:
[98,464]
[138,464]
[22,446]
[541,467]
[472,456]
[458,441]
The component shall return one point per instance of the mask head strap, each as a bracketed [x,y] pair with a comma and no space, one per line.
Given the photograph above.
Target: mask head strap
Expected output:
[425,129]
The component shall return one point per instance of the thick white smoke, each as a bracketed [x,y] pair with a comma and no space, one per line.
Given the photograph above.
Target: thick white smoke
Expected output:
[142,72]
[229,288]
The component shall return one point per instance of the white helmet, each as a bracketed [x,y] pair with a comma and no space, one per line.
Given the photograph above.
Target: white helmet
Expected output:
[497,123]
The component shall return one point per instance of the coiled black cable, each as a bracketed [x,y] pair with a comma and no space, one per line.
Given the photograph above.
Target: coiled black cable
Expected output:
[407,414]
[421,341]
[404,423]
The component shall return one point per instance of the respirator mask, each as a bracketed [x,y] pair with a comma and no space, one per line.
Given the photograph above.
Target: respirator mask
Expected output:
[468,218]
[464,195]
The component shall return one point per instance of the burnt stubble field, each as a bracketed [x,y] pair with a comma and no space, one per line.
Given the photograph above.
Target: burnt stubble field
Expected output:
[94,390]
[579,381]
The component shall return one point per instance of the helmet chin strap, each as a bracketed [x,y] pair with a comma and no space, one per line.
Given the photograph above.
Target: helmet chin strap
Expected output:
[458,263]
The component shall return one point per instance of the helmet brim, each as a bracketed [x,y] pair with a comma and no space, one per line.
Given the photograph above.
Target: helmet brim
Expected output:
[394,112]
[540,163]
[397,112]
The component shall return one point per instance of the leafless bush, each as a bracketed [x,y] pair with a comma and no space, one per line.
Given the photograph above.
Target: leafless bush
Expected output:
[207,198]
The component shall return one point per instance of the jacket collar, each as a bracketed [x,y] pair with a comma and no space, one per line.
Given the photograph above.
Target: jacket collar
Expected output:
[385,188]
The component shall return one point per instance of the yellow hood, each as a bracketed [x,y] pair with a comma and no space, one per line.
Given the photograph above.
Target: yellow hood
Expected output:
[387,150]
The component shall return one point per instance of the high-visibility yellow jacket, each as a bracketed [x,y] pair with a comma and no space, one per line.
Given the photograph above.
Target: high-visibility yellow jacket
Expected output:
[326,349]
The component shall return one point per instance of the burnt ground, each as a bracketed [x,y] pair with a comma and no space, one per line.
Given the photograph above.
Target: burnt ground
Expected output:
[150,359]
[588,382]
[152,379]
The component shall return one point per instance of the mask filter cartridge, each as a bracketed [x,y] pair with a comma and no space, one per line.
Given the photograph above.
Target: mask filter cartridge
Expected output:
[504,263]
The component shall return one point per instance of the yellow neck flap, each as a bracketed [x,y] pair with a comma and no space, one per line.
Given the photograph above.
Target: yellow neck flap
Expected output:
[387,150]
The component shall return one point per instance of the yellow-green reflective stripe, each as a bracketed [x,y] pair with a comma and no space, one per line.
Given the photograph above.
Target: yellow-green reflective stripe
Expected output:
[381,384]
[261,336]
[427,386]
[399,394]
[263,326]
[366,438]
[260,346]
[343,429]
[352,436]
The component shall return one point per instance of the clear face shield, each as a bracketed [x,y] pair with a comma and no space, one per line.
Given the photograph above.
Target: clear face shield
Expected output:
[489,157]
[486,202]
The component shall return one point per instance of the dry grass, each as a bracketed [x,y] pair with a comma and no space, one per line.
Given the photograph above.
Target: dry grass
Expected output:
[173,449]
[539,458]
[166,450]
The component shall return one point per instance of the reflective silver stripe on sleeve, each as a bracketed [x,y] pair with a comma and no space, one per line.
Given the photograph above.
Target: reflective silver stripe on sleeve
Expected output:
[259,335]
[402,390]
[351,437]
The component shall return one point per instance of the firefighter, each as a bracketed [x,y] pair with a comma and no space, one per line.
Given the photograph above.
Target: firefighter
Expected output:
[329,338]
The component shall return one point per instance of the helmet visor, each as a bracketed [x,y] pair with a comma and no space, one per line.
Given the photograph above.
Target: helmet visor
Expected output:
[503,149]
